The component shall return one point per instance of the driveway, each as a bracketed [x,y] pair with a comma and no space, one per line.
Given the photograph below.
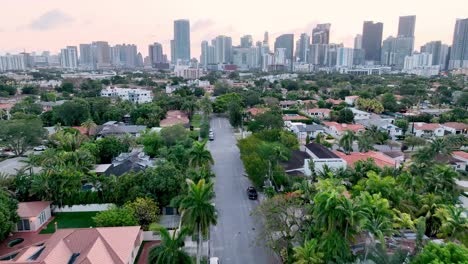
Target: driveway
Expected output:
[235,238]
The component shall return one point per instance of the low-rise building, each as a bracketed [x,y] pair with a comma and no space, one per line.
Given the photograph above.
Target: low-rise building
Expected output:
[463,157]
[350,100]
[456,128]
[336,129]
[379,158]
[33,215]
[320,113]
[134,95]
[427,130]
[114,128]
[294,117]
[359,114]
[303,131]
[287,104]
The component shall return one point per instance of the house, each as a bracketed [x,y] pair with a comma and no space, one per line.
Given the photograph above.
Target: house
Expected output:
[134,95]
[456,128]
[174,117]
[379,158]
[359,114]
[110,245]
[462,156]
[426,130]
[320,113]
[48,106]
[321,157]
[336,129]
[126,162]
[33,215]
[254,111]
[114,128]
[392,130]
[334,101]
[454,162]
[287,104]
[303,131]
[350,100]
[397,156]
[294,117]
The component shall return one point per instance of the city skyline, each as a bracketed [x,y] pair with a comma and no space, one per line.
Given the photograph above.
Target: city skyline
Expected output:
[54,25]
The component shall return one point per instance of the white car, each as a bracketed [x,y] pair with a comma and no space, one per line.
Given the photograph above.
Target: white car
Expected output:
[214,260]
[40,148]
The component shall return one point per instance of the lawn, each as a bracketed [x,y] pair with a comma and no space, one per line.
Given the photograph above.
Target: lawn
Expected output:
[196,120]
[70,220]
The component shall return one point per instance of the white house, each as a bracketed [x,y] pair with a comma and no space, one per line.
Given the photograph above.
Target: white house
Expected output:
[392,130]
[337,129]
[456,128]
[320,113]
[426,130]
[33,215]
[360,115]
[350,100]
[303,131]
[462,156]
[136,95]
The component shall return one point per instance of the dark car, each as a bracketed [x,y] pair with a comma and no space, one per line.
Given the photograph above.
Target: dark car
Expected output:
[252,193]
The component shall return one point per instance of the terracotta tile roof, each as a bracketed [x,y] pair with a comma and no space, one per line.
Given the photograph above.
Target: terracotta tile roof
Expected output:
[426,126]
[319,110]
[456,125]
[343,127]
[335,102]
[380,159]
[289,102]
[174,117]
[256,111]
[31,209]
[461,154]
[352,97]
[6,106]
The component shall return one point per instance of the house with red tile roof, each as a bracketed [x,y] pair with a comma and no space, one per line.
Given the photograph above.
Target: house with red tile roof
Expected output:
[174,117]
[463,157]
[334,101]
[256,111]
[350,100]
[109,245]
[287,104]
[33,215]
[456,128]
[426,130]
[336,129]
[379,158]
[320,113]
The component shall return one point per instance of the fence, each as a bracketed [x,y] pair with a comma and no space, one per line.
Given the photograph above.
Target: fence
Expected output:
[82,208]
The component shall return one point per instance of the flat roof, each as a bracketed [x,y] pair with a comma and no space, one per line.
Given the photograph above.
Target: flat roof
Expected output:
[321,151]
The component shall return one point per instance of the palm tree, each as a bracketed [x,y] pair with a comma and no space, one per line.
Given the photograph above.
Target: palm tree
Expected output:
[199,156]
[197,210]
[454,223]
[365,142]
[89,125]
[308,253]
[169,251]
[189,106]
[346,141]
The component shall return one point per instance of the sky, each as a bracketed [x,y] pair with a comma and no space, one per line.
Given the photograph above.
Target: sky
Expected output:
[39,25]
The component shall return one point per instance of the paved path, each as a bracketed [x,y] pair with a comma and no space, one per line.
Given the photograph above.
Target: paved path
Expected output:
[235,238]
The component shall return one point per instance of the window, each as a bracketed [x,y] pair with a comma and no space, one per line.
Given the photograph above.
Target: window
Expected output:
[23,225]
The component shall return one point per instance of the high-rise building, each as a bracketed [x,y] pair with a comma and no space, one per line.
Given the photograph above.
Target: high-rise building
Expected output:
[246,41]
[318,54]
[459,51]
[286,41]
[371,41]
[358,41]
[302,48]
[101,54]
[439,52]
[406,26]
[69,57]
[180,45]
[321,34]
[266,39]
[344,57]
[124,56]
[241,57]
[332,54]
[13,62]
[156,54]
[394,51]
[223,49]
[86,56]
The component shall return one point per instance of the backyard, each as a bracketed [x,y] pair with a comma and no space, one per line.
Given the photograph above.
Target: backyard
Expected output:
[70,220]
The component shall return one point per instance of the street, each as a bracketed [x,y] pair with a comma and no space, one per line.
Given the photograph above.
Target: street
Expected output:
[235,238]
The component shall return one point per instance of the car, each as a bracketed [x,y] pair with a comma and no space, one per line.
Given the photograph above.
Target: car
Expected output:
[252,193]
[40,148]
[214,260]
[211,130]
[211,136]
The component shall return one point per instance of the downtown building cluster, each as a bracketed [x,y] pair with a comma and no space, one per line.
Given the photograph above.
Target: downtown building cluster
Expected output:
[371,54]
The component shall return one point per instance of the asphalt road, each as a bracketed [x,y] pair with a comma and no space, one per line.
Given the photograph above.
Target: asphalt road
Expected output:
[235,238]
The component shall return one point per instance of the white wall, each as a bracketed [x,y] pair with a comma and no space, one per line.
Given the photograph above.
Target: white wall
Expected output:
[82,208]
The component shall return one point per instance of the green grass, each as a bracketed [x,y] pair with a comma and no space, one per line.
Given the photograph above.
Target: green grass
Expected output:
[196,120]
[70,220]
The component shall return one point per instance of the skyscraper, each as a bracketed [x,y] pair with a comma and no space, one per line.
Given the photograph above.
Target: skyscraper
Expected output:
[181,41]
[69,57]
[406,26]
[439,53]
[358,41]
[101,54]
[246,41]
[302,50]
[459,51]
[371,41]
[266,40]
[286,41]
[86,56]
[321,34]
[223,49]
[155,53]
[124,56]
[394,51]
[344,57]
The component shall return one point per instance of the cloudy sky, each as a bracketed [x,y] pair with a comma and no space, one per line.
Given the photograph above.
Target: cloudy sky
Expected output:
[38,25]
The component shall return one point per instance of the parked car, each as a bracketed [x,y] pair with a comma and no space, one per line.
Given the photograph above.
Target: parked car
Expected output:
[211,136]
[40,148]
[214,260]
[252,193]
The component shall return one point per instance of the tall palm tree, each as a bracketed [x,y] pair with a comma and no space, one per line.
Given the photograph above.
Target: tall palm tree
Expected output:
[89,125]
[199,156]
[169,251]
[189,106]
[308,253]
[346,141]
[197,210]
